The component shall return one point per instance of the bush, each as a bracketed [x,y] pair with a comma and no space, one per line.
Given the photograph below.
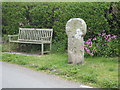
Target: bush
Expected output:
[108,44]
[98,16]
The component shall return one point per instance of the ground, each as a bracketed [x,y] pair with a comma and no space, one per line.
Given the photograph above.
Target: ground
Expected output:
[15,76]
[95,72]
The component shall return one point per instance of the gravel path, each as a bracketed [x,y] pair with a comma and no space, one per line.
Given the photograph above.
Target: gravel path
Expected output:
[21,53]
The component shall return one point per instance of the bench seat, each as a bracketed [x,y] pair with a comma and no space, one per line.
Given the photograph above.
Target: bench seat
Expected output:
[34,42]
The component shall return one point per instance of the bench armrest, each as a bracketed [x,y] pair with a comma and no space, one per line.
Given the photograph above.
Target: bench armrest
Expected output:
[10,36]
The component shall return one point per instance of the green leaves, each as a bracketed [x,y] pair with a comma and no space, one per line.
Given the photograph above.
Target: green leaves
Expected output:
[98,16]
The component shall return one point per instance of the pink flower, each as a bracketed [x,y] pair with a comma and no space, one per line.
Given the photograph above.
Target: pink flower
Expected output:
[88,50]
[103,34]
[109,35]
[88,42]
[95,38]
[92,54]
[106,37]
[89,39]
[96,45]
[114,36]
[90,46]
[109,39]
[103,45]
[85,45]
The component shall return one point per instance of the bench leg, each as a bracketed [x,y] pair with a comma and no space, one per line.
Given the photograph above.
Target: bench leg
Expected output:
[50,46]
[9,47]
[42,47]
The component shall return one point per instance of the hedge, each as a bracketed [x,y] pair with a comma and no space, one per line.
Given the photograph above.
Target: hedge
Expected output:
[99,16]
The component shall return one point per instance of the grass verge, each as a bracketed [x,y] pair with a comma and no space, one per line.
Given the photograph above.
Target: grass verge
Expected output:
[96,72]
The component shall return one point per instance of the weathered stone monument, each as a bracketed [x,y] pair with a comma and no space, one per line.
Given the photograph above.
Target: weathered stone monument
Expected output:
[76,30]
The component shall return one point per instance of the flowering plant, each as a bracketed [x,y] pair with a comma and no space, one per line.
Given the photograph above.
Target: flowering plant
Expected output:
[102,42]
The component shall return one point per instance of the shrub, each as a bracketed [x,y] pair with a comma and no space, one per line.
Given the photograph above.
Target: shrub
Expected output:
[107,43]
[98,16]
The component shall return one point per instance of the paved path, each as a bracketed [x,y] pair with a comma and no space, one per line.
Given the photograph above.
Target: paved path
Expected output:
[0,75]
[14,76]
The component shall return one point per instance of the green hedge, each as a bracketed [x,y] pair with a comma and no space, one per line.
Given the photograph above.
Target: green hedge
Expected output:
[98,16]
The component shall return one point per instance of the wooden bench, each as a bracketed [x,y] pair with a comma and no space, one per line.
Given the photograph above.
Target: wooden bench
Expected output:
[33,36]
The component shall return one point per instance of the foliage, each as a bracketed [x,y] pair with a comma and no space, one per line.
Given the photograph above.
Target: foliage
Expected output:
[104,42]
[98,16]
[98,72]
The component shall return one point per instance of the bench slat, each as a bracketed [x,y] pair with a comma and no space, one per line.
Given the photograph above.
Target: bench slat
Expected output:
[32,34]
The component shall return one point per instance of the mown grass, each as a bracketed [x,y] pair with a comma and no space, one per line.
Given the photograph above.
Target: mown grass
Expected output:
[97,72]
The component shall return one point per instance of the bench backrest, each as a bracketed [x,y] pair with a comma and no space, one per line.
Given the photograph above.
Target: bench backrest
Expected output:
[32,34]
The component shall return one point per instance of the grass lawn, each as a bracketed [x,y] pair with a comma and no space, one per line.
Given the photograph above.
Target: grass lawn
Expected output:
[96,71]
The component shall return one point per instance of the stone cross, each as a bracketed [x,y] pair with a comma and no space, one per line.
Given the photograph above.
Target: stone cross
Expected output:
[76,30]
